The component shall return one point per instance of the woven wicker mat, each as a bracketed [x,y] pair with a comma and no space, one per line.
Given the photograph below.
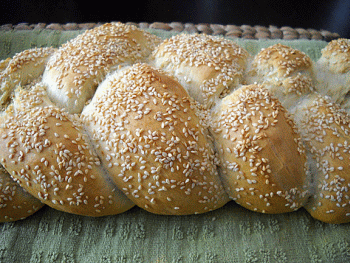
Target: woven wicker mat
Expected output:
[244,31]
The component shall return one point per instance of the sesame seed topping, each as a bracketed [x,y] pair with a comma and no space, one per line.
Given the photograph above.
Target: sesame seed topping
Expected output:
[170,156]
[75,70]
[337,55]
[60,169]
[325,128]
[12,196]
[188,55]
[33,60]
[281,60]
[249,168]
[159,134]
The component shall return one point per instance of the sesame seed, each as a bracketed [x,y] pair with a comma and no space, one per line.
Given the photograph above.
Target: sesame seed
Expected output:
[164,158]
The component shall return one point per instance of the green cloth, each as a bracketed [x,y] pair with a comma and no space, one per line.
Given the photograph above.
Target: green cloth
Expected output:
[229,234]
[12,42]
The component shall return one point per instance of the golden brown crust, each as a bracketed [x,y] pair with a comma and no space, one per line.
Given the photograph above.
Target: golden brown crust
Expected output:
[337,55]
[326,130]
[150,137]
[144,138]
[281,61]
[205,65]
[262,158]
[299,85]
[75,70]
[47,153]
[15,202]
[291,90]
[286,72]
[25,67]
[36,96]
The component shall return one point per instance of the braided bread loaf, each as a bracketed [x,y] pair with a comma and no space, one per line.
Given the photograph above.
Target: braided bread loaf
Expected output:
[118,117]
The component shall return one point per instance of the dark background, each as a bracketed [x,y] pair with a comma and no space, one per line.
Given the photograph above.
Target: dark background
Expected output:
[329,15]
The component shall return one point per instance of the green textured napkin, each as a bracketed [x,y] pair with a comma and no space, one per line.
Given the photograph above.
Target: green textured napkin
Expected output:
[229,234]
[12,42]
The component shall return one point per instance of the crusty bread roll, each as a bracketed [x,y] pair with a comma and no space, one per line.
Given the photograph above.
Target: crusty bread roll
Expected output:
[262,157]
[150,137]
[15,202]
[281,61]
[286,72]
[78,66]
[46,151]
[314,115]
[205,65]
[332,71]
[118,117]
[325,128]
[23,68]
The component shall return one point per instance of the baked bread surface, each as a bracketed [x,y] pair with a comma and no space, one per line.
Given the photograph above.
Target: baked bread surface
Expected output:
[262,156]
[118,117]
